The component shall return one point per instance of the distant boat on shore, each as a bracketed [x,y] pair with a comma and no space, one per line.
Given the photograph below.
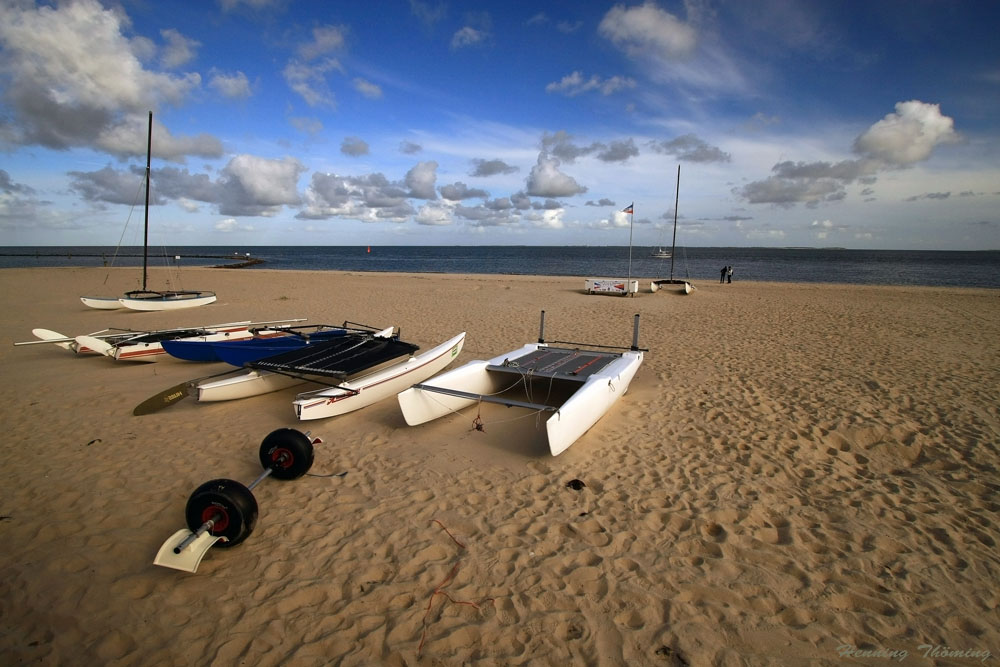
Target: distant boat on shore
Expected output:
[685,286]
[144,298]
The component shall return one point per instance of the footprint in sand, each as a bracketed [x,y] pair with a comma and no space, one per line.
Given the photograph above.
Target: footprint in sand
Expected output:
[588,581]
[796,618]
[593,532]
[714,531]
[861,603]
[769,527]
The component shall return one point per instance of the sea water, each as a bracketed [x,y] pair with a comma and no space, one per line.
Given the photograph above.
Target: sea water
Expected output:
[830,265]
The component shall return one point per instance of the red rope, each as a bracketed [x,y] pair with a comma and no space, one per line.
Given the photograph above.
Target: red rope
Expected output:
[438,591]
[449,533]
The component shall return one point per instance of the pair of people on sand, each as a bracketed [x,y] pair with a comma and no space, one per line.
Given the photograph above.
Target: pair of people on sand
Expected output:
[726,273]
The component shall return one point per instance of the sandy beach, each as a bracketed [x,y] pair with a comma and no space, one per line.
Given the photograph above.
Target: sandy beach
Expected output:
[799,474]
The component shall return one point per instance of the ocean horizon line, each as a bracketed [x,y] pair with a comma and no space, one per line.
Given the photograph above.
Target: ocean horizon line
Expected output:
[3,248]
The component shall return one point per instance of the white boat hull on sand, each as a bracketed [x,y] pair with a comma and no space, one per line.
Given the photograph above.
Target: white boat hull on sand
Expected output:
[102,302]
[153,350]
[244,385]
[66,342]
[572,419]
[63,341]
[577,415]
[169,301]
[247,383]
[365,390]
[683,286]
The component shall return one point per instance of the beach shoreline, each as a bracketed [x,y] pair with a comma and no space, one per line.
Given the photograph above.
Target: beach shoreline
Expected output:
[796,468]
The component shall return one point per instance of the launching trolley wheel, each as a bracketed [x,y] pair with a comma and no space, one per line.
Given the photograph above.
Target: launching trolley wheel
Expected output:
[287,453]
[228,504]
[224,512]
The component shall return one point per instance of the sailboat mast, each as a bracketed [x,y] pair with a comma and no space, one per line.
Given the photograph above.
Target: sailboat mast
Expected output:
[145,235]
[677,198]
[631,218]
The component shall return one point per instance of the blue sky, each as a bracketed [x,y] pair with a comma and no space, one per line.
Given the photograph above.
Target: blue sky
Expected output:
[796,123]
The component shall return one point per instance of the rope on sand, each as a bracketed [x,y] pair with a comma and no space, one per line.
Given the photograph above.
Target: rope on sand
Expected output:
[439,590]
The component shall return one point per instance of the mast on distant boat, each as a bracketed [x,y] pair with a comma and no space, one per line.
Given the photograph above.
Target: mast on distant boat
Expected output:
[673,242]
[631,217]
[145,235]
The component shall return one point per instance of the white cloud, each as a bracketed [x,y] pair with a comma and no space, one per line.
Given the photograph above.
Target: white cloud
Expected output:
[421,179]
[574,84]
[230,5]
[467,36]
[309,81]
[821,228]
[369,198]
[647,28]
[367,88]
[354,146]
[901,139]
[306,124]
[128,138]
[691,148]
[326,39]
[434,214]
[179,49]
[252,185]
[546,180]
[908,135]
[188,205]
[619,219]
[232,86]
[551,219]
[69,73]
[231,225]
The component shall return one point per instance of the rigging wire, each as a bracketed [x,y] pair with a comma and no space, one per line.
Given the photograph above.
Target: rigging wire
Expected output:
[131,210]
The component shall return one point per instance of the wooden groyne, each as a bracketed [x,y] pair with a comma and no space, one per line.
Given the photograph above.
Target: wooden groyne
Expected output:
[239,265]
[244,261]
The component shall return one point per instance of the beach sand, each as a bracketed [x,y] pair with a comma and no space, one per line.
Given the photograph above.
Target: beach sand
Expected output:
[799,474]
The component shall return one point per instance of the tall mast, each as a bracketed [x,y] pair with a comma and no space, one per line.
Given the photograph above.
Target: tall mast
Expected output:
[631,218]
[145,236]
[673,243]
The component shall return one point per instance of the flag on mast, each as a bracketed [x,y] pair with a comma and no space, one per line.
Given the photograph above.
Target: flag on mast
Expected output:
[628,209]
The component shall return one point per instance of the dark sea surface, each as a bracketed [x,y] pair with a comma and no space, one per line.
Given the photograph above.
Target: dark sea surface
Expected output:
[831,265]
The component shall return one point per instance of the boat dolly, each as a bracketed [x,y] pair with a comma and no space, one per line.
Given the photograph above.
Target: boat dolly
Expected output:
[223,512]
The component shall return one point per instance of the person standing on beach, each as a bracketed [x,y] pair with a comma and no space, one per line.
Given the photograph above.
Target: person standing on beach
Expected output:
[722,274]
[729,274]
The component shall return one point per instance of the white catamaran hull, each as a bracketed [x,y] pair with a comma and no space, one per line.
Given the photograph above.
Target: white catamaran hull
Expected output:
[244,385]
[167,302]
[580,412]
[68,342]
[589,403]
[683,286]
[153,350]
[256,382]
[102,302]
[363,391]
[64,342]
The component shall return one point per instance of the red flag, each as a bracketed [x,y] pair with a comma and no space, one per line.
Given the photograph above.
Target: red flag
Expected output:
[627,209]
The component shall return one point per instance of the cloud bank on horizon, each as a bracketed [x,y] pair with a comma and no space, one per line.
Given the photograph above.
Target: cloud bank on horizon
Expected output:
[277,122]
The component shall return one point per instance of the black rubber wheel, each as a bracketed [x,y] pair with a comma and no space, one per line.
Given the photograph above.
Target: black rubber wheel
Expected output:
[287,452]
[231,504]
